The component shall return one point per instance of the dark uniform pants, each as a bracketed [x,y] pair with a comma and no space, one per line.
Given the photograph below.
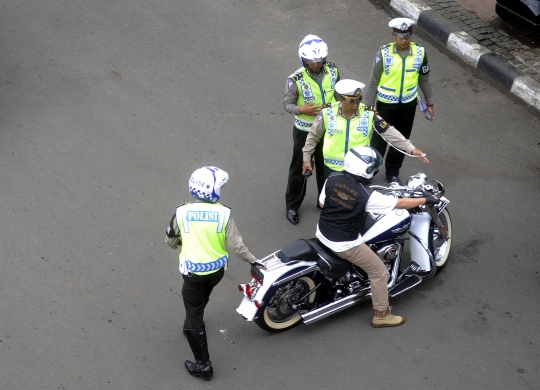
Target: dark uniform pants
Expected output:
[196,294]
[401,116]
[296,191]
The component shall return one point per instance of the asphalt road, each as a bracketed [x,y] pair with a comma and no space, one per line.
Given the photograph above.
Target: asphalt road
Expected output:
[106,107]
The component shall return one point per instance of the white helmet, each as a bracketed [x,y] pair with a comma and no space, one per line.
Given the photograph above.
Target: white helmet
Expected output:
[312,48]
[363,161]
[206,182]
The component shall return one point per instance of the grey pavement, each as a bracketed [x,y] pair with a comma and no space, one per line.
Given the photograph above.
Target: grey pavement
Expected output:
[106,107]
[513,64]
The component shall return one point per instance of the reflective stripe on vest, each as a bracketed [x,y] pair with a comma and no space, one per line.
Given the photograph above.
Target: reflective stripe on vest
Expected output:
[399,79]
[203,227]
[342,134]
[311,92]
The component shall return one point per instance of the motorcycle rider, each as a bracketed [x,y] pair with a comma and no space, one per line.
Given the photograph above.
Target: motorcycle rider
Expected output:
[308,88]
[349,123]
[202,228]
[347,201]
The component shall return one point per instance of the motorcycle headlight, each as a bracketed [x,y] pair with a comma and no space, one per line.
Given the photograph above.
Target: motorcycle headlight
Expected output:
[417,180]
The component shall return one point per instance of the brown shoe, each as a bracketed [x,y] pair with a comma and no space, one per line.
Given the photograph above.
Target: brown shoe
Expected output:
[382,319]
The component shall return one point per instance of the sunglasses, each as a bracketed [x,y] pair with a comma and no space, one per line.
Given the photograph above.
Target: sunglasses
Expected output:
[353,100]
[403,35]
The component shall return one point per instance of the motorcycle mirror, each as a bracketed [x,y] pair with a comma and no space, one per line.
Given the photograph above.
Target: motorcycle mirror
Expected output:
[440,187]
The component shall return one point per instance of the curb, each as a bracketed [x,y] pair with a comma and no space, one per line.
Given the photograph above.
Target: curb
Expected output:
[466,47]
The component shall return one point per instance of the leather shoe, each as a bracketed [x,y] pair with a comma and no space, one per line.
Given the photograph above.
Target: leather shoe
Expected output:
[200,370]
[394,179]
[292,216]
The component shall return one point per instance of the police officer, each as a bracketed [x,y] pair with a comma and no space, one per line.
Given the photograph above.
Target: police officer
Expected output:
[399,68]
[347,124]
[347,200]
[202,228]
[308,89]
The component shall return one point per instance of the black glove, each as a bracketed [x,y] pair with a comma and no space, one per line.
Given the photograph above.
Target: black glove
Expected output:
[431,199]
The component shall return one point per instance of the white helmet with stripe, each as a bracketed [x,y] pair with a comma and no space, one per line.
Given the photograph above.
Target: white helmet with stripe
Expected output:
[206,182]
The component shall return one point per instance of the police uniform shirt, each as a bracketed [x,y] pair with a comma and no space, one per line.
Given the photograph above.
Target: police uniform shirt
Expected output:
[377,203]
[291,92]
[370,96]
[316,133]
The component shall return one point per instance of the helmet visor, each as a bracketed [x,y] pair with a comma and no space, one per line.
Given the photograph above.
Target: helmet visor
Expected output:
[375,161]
[313,61]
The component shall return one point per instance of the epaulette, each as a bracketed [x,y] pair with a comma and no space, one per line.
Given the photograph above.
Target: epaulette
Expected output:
[370,108]
[332,64]
[296,77]
[384,46]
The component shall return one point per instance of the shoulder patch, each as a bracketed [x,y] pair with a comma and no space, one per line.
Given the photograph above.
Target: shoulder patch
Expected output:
[380,124]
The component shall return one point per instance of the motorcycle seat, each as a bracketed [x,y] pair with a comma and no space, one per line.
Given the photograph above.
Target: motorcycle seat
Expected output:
[297,250]
[331,265]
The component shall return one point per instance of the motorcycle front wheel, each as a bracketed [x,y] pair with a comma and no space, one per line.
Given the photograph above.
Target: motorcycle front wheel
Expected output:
[441,246]
[278,315]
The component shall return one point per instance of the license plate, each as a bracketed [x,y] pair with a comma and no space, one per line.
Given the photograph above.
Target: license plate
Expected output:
[442,204]
[256,273]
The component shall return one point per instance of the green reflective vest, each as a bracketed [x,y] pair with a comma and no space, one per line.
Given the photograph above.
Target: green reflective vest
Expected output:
[342,134]
[203,226]
[399,79]
[311,92]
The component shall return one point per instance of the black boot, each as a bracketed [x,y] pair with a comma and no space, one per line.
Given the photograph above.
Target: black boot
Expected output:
[202,367]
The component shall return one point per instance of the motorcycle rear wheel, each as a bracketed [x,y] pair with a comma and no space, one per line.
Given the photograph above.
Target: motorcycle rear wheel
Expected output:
[441,246]
[278,315]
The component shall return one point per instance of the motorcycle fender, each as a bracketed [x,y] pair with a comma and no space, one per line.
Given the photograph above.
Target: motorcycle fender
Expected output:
[420,228]
[247,309]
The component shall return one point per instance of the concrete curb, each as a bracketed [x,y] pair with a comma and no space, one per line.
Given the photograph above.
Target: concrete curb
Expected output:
[466,47]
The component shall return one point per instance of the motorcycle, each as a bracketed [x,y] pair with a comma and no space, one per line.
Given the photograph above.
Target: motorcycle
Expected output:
[305,281]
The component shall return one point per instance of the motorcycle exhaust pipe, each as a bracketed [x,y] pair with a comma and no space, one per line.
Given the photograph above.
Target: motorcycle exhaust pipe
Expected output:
[332,308]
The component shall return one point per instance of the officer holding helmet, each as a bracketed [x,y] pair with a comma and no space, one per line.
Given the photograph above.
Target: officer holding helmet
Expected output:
[399,68]
[344,216]
[202,228]
[346,124]
[308,89]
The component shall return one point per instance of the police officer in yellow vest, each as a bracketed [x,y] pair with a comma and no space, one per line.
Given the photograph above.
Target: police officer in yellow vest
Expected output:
[203,228]
[308,89]
[347,124]
[398,70]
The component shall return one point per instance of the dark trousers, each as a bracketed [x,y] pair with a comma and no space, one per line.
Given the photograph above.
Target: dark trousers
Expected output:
[196,294]
[401,116]
[296,190]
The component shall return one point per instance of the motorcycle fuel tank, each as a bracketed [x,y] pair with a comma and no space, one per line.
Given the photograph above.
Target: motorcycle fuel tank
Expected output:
[388,227]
